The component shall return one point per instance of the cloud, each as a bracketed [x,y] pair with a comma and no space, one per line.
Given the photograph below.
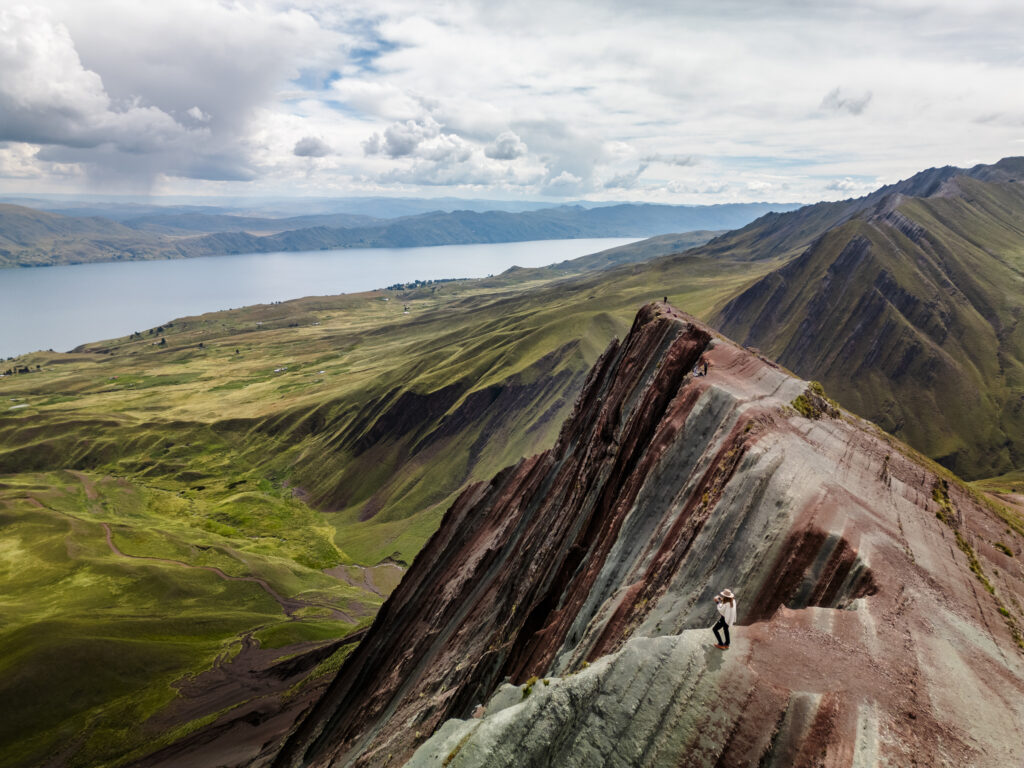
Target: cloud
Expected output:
[840,101]
[447,148]
[507,146]
[680,161]
[626,180]
[528,98]
[48,97]
[569,153]
[702,188]
[401,139]
[311,146]
[422,138]
[564,184]
[843,185]
[133,93]
[849,186]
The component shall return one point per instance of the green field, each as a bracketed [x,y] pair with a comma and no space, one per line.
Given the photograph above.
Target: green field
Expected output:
[95,631]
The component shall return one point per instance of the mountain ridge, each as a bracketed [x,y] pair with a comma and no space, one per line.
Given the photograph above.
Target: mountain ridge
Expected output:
[583,576]
[908,306]
[787,233]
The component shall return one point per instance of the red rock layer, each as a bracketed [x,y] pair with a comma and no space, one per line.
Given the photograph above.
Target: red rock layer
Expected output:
[660,486]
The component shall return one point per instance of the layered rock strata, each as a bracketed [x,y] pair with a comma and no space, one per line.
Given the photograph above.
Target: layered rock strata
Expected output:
[877,622]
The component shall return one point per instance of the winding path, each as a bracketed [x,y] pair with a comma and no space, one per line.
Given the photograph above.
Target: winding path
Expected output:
[290,605]
[341,573]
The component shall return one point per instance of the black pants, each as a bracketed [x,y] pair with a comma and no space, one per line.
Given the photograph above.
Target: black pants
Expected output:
[724,626]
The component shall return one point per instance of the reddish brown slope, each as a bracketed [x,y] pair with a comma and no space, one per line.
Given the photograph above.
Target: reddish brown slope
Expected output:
[662,489]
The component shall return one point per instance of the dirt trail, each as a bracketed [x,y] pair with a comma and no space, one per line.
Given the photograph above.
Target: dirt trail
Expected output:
[290,605]
[87,483]
[341,573]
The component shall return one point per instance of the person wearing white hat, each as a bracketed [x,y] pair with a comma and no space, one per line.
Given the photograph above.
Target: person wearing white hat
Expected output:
[725,601]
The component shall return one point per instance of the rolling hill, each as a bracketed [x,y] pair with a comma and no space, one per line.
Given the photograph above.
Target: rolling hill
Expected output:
[191,223]
[34,238]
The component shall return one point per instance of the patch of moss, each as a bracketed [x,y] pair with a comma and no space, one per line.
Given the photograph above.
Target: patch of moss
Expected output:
[458,748]
[528,686]
[940,495]
[947,514]
[974,563]
[813,403]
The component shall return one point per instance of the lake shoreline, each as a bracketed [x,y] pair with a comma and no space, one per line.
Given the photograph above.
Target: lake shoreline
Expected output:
[65,306]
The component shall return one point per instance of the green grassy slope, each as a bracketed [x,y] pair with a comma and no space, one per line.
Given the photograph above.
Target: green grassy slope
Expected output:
[910,314]
[373,413]
[270,442]
[95,631]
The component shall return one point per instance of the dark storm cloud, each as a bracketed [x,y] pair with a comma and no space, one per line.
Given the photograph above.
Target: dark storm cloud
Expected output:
[184,105]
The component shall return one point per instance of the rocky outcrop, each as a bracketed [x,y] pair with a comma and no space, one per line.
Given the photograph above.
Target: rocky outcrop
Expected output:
[571,595]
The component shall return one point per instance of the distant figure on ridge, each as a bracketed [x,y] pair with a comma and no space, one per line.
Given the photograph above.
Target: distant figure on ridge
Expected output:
[725,601]
[701,368]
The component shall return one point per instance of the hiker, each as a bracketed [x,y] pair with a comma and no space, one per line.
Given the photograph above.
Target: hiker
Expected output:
[725,601]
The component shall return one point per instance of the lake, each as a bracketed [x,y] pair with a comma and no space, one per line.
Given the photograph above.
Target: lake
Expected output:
[62,307]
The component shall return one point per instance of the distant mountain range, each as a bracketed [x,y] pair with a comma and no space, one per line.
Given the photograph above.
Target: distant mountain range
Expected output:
[30,237]
[120,208]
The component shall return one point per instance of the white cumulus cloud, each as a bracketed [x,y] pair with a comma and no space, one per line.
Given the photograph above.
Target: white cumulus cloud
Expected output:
[507,146]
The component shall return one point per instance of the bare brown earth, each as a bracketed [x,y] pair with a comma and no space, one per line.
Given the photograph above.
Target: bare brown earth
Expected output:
[878,622]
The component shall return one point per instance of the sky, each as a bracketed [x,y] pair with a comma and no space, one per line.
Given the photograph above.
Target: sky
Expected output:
[669,101]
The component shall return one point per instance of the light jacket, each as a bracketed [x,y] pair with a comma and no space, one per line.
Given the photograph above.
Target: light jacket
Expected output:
[728,611]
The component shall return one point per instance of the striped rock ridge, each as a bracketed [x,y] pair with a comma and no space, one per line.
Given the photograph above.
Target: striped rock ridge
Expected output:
[571,595]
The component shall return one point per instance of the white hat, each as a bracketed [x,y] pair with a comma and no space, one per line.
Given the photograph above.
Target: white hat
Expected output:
[727,593]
